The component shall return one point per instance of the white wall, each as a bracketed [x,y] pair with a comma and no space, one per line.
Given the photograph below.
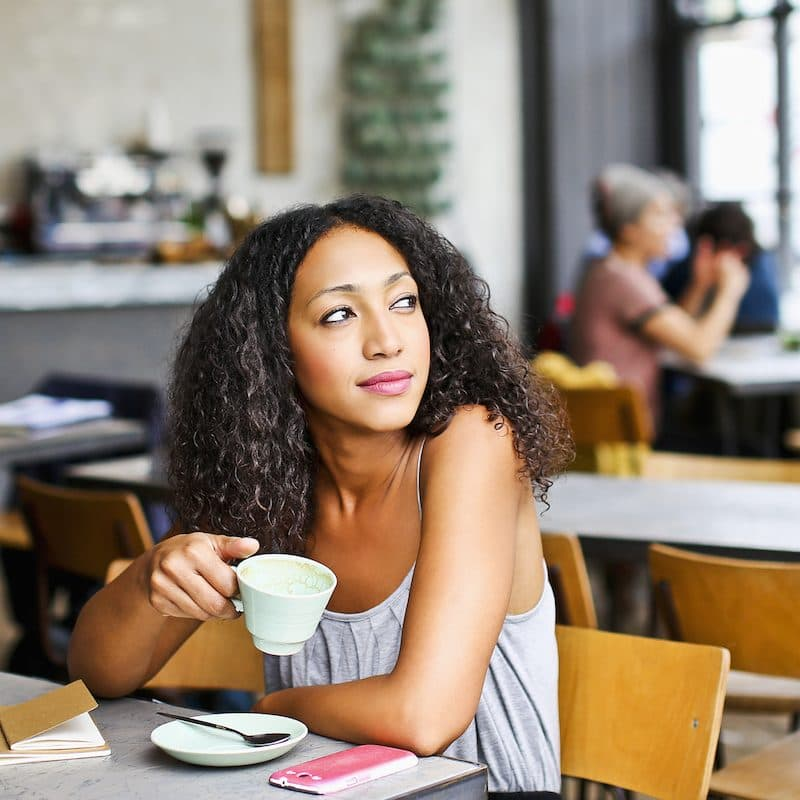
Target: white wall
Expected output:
[79,74]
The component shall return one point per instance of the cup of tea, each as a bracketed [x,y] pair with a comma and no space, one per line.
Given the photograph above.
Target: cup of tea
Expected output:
[282,597]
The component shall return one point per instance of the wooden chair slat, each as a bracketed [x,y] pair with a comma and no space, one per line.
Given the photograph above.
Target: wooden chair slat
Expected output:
[687,466]
[570,579]
[750,607]
[14,532]
[638,713]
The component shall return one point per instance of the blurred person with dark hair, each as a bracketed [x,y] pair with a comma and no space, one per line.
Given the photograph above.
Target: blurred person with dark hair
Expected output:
[722,227]
[622,314]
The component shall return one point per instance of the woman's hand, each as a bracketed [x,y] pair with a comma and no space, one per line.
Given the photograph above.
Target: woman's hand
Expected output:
[188,575]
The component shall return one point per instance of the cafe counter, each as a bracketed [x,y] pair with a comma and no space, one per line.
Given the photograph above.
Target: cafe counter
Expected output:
[116,320]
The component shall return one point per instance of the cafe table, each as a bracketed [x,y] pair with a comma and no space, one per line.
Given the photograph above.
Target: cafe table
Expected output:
[746,518]
[138,769]
[753,365]
[629,512]
[144,475]
[93,438]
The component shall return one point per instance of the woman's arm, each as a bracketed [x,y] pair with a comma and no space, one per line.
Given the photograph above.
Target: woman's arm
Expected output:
[698,339]
[127,631]
[459,597]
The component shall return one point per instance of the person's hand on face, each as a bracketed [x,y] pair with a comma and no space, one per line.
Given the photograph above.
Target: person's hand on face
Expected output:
[705,265]
[188,576]
[734,276]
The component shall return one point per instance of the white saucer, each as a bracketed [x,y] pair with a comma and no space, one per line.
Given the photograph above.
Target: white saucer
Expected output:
[209,748]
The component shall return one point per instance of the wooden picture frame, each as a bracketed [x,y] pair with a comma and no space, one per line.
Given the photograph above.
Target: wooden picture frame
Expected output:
[273,51]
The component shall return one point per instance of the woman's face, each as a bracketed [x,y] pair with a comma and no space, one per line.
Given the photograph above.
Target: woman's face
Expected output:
[653,230]
[357,334]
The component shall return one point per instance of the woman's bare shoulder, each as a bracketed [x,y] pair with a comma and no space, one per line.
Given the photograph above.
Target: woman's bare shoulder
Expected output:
[474,438]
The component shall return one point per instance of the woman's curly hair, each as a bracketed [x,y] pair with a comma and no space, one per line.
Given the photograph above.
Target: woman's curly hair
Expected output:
[241,459]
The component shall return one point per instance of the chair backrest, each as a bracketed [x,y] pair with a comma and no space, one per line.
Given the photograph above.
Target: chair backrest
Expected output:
[220,654]
[13,531]
[569,579]
[611,428]
[750,607]
[638,713]
[604,415]
[82,531]
[699,467]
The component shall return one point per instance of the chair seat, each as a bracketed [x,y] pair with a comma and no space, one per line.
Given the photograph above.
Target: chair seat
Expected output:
[770,774]
[748,691]
[13,531]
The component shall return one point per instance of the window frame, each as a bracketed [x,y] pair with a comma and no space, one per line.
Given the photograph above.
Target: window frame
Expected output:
[688,30]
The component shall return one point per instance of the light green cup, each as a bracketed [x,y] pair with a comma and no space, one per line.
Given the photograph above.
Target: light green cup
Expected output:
[283,598]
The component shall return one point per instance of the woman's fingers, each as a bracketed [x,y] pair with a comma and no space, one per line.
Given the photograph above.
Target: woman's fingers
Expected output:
[189,576]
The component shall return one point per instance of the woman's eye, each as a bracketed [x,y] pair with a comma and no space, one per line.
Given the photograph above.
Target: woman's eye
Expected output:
[337,315]
[408,301]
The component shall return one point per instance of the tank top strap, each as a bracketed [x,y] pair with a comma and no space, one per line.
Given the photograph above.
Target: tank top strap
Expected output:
[419,466]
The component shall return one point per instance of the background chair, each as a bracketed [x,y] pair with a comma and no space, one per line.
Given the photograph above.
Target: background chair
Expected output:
[569,578]
[219,655]
[637,713]
[749,607]
[660,464]
[80,533]
[611,424]
[611,428]
[746,691]
[13,531]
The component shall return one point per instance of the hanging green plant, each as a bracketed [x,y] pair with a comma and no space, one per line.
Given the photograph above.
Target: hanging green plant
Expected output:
[395,131]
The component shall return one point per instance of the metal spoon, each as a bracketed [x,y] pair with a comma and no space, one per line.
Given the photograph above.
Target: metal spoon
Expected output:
[257,739]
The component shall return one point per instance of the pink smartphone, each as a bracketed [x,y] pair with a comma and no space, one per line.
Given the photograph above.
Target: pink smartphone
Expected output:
[344,769]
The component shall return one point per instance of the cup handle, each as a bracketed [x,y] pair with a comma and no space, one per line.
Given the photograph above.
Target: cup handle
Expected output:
[236,599]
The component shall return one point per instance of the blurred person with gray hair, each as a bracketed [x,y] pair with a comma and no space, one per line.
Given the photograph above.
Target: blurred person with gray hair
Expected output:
[622,314]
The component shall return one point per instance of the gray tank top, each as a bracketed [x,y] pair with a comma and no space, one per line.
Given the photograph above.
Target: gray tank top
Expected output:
[515,729]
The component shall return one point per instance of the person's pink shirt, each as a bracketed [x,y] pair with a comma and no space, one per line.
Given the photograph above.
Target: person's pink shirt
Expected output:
[614,300]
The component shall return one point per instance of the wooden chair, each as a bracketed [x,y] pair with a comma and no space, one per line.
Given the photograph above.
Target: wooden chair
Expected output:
[78,532]
[749,607]
[611,428]
[746,691]
[569,578]
[658,464]
[219,655]
[13,531]
[638,713]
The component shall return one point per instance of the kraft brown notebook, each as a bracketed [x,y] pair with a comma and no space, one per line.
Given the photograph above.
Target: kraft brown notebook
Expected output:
[53,726]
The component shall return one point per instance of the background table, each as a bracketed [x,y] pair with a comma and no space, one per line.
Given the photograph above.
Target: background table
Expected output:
[137,768]
[144,475]
[746,366]
[92,438]
[752,517]
[725,515]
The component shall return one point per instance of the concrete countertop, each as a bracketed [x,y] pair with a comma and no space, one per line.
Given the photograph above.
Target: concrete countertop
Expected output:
[31,285]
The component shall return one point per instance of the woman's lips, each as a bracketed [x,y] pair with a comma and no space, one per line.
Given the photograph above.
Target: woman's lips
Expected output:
[387,383]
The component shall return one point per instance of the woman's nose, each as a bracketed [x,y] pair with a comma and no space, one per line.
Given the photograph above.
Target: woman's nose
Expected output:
[382,339]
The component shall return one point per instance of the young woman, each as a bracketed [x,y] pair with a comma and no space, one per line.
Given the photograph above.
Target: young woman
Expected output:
[346,393]
[622,315]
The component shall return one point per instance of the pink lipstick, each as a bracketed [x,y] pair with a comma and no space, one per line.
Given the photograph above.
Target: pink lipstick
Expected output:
[389,383]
